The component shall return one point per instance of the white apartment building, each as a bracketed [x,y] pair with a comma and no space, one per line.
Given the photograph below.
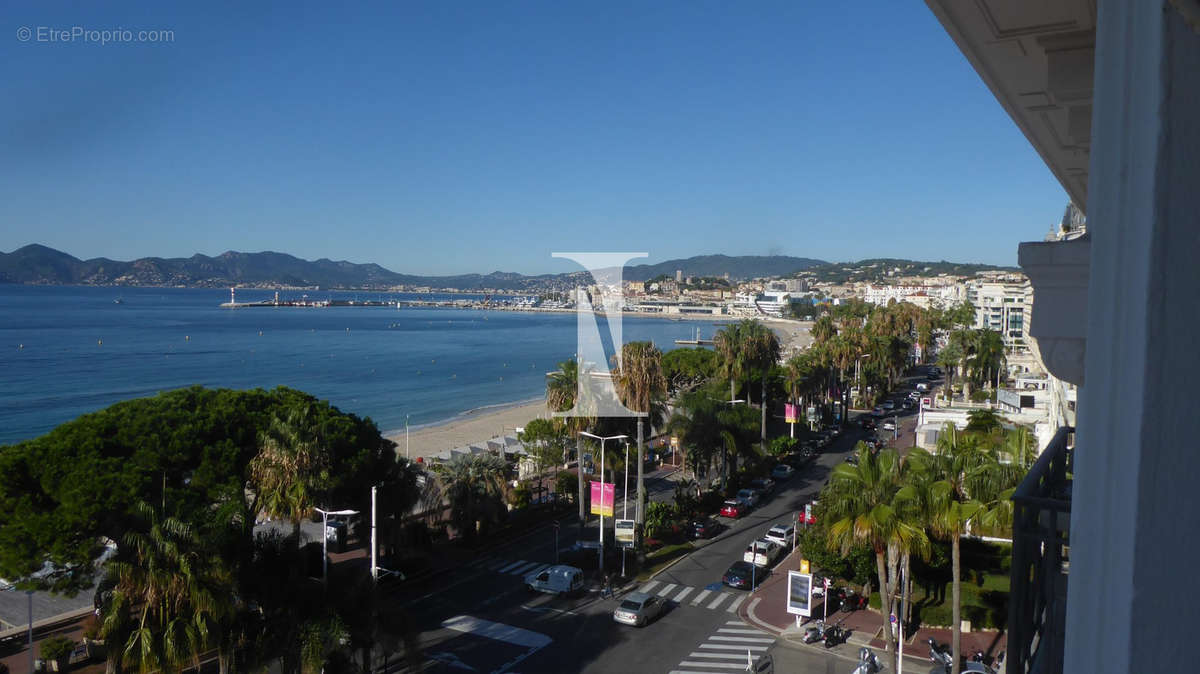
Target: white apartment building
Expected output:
[921,295]
[1003,304]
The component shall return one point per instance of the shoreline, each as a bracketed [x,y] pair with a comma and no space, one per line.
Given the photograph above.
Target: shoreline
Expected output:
[474,426]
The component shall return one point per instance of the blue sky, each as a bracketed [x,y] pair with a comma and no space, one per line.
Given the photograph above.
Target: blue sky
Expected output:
[449,137]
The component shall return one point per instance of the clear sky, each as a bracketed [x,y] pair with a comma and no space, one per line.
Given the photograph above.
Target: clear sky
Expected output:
[450,137]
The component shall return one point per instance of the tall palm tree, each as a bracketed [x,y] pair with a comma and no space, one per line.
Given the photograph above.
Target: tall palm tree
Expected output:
[761,351]
[291,468]
[988,358]
[966,482]
[562,392]
[798,376]
[475,487]
[176,591]
[859,504]
[948,359]
[730,343]
[640,381]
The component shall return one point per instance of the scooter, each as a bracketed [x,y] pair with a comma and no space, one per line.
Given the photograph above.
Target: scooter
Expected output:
[941,656]
[834,635]
[814,633]
[868,662]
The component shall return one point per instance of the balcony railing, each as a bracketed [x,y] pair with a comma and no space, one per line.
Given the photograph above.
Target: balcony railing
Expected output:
[1041,551]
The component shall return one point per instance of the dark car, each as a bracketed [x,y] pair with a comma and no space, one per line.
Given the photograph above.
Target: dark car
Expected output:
[742,574]
[764,485]
[704,528]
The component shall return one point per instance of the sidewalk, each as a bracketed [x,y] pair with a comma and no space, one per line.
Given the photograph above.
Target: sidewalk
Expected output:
[766,609]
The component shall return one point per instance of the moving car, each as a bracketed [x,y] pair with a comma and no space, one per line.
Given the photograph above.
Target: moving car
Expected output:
[733,509]
[742,574]
[764,485]
[637,609]
[747,497]
[762,552]
[889,425]
[782,471]
[705,528]
[559,579]
[781,534]
[889,405]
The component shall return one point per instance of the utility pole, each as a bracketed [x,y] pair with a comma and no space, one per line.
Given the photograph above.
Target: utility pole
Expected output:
[374,547]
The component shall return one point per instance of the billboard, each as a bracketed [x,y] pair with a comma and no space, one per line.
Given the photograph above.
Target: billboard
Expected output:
[602,498]
[624,530]
[799,593]
[791,413]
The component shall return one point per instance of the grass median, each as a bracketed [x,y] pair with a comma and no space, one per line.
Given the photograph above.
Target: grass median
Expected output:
[660,558]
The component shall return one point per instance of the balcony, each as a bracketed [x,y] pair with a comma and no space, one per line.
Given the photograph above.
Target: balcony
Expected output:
[1041,561]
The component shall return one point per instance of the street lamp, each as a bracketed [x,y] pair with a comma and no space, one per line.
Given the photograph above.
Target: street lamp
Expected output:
[325,538]
[406,455]
[602,439]
[624,503]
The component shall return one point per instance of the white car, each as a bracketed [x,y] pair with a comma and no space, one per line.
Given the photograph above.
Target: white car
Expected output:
[781,534]
[637,609]
[559,579]
[889,425]
[762,553]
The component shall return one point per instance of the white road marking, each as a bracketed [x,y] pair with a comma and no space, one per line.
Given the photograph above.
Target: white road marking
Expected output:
[721,665]
[539,568]
[649,586]
[686,591]
[744,640]
[700,597]
[720,598]
[735,622]
[525,567]
[663,592]
[735,647]
[498,631]
[734,630]
[736,603]
[514,565]
[720,656]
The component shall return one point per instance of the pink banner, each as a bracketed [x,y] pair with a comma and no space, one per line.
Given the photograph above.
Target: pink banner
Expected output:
[603,495]
[791,413]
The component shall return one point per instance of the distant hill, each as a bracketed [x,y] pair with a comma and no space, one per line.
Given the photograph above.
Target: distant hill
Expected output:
[876,269]
[37,264]
[739,267]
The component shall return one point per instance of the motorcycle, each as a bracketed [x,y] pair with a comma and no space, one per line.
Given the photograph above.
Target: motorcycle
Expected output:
[868,662]
[941,656]
[814,633]
[834,635]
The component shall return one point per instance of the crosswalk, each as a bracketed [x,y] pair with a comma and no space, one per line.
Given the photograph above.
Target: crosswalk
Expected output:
[681,595]
[728,649]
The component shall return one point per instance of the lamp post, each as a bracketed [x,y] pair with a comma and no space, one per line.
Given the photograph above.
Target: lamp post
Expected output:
[29,594]
[325,538]
[406,455]
[625,504]
[602,439]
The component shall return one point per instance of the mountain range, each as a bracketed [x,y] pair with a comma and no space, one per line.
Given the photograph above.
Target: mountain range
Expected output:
[37,264]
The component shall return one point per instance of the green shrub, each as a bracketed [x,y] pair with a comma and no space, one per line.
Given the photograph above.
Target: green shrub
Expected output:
[521,496]
[56,647]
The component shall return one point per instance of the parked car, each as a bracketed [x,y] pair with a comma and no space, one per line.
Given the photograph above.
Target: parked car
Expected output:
[922,386]
[782,471]
[852,459]
[763,552]
[782,534]
[705,528]
[889,425]
[748,497]
[559,579]
[763,485]
[742,574]
[877,411]
[908,404]
[637,609]
[889,405]
[733,509]
[867,423]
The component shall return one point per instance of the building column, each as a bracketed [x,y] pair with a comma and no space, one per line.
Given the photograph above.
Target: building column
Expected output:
[1132,602]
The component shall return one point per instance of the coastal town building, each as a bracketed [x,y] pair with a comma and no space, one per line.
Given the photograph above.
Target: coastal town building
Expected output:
[1002,304]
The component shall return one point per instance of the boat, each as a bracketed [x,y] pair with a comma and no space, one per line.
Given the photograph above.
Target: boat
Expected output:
[118,301]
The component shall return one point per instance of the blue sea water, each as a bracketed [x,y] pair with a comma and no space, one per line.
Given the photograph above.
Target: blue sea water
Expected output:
[66,351]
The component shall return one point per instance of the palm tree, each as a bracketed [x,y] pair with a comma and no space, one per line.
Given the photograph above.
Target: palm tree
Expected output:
[730,343]
[966,482]
[562,392]
[988,359]
[798,376]
[859,506]
[948,359]
[291,468]
[761,352]
[475,487]
[176,590]
[639,382]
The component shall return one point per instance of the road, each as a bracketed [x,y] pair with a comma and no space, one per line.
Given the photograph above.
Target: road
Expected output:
[481,618]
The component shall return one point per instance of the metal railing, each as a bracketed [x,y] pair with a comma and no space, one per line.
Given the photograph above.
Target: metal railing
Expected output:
[1041,551]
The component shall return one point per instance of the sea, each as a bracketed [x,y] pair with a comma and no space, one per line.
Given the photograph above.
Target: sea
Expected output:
[67,351]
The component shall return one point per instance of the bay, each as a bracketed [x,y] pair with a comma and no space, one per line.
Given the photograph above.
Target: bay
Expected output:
[67,351]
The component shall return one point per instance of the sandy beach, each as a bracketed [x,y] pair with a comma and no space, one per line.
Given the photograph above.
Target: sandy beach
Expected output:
[476,427]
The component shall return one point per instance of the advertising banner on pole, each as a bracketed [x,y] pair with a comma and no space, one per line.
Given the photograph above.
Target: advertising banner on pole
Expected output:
[791,413]
[799,593]
[602,498]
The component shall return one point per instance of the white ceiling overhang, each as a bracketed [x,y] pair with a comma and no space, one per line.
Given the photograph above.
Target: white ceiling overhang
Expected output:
[1037,58]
